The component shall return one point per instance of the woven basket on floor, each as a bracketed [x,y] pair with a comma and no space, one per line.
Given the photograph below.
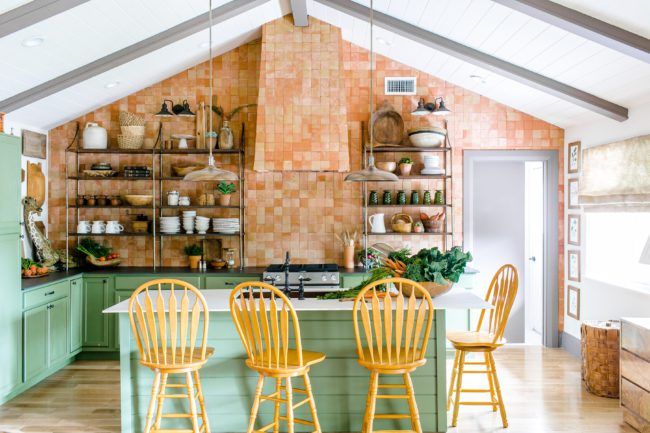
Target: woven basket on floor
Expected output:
[600,357]
[130,141]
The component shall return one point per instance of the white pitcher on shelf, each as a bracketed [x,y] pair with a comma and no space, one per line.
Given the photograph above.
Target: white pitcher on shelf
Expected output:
[83,227]
[98,227]
[114,227]
[377,223]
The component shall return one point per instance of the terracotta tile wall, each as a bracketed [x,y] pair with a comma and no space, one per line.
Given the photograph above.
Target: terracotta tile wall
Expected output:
[301,123]
[301,211]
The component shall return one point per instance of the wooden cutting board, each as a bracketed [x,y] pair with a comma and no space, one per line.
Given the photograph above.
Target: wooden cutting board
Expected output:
[387,126]
[36,182]
[200,126]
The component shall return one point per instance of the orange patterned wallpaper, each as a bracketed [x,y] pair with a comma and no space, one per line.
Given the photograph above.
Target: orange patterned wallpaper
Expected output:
[301,211]
[301,116]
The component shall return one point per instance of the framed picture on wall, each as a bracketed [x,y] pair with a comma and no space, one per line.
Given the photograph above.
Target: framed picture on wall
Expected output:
[573,237]
[574,265]
[34,144]
[573,194]
[574,157]
[573,302]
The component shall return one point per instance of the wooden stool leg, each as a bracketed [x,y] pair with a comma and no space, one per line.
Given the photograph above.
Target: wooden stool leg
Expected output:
[459,385]
[454,372]
[312,403]
[256,404]
[370,404]
[199,392]
[276,413]
[493,395]
[413,406]
[497,387]
[289,391]
[161,399]
[192,398]
[155,389]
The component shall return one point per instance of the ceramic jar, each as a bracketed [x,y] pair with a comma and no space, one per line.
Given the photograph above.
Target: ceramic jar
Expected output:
[415,197]
[427,197]
[373,199]
[438,198]
[401,197]
[387,198]
[95,137]
[172,198]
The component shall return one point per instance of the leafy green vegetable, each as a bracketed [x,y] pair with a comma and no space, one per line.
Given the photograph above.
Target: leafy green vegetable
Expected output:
[406,160]
[28,263]
[93,249]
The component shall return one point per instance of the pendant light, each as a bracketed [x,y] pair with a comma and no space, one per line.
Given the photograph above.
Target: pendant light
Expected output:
[371,173]
[211,172]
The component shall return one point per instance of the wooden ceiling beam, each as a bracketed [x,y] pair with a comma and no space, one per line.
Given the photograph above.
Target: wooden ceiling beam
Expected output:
[32,13]
[482,60]
[585,26]
[299,11]
[125,55]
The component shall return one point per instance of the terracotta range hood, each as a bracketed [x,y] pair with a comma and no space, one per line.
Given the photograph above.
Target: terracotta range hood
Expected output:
[301,116]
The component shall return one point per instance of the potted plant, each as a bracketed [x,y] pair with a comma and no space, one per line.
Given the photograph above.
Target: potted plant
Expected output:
[194,253]
[405,165]
[226,190]
[435,270]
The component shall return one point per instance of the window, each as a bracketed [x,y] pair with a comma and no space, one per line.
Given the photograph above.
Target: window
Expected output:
[613,247]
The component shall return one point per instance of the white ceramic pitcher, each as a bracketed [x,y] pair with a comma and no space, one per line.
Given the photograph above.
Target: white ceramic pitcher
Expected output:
[114,227]
[98,227]
[377,223]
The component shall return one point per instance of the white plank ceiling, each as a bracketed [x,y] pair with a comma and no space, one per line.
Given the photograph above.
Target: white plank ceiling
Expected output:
[100,27]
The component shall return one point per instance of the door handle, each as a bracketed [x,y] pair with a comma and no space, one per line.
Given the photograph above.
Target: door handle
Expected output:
[49,293]
[532,259]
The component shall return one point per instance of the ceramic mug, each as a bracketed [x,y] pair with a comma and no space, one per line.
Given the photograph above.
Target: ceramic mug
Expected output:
[377,223]
[83,227]
[98,227]
[114,227]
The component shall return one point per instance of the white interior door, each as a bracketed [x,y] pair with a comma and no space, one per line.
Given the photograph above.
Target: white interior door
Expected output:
[534,251]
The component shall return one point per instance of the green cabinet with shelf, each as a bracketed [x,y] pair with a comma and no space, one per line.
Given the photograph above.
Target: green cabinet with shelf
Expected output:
[76,315]
[227,283]
[97,295]
[11,305]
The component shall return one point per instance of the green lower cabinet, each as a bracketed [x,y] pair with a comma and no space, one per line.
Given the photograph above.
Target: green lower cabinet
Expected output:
[75,317]
[97,296]
[46,336]
[133,282]
[352,280]
[35,334]
[120,295]
[227,283]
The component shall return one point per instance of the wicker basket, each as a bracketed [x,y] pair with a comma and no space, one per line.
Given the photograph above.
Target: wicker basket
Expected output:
[130,141]
[132,130]
[401,223]
[600,357]
[130,119]
[105,264]
[434,289]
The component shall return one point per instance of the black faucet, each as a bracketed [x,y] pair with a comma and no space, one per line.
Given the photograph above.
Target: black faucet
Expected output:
[287,261]
[301,287]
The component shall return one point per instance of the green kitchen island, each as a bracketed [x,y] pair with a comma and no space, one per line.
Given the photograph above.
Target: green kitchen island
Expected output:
[339,383]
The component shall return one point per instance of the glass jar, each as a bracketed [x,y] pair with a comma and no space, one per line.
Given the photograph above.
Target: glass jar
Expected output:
[387,198]
[230,257]
[401,197]
[226,139]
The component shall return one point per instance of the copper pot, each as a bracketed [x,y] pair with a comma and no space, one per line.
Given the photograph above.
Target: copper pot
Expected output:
[90,200]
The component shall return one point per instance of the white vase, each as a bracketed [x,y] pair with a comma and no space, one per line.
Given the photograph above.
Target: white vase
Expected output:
[95,137]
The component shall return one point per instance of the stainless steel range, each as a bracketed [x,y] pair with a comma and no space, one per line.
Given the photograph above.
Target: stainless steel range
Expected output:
[303,277]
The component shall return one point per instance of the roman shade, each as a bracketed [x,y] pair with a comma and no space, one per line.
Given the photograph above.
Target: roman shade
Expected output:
[616,175]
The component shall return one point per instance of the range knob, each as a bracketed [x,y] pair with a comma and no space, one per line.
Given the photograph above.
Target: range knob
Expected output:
[333,277]
[324,277]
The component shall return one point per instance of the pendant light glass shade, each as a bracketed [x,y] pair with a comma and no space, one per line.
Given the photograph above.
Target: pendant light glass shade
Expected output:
[211,172]
[371,173]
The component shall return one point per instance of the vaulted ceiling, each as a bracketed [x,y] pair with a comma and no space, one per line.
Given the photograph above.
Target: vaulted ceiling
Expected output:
[93,53]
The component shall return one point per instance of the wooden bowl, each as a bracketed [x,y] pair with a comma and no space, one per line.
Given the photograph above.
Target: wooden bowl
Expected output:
[182,170]
[218,264]
[429,136]
[138,199]
[434,289]
[105,264]
[387,165]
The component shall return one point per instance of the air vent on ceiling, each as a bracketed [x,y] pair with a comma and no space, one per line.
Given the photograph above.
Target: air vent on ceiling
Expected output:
[400,85]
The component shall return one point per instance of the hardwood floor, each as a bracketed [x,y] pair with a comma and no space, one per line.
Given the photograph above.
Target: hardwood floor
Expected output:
[541,389]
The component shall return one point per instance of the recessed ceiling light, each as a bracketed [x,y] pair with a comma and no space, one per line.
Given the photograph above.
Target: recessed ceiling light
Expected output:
[384,41]
[205,44]
[478,79]
[112,84]
[33,42]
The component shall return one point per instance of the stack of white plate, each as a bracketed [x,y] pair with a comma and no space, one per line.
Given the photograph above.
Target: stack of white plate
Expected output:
[170,225]
[188,221]
[201,224]
[225,225]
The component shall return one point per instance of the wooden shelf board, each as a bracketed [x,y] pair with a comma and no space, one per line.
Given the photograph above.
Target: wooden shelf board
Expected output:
[408,149]
[115,151]
[110,178]
[408,234]
[409,205]
[209,235]
[156,151]
[198,151]
[425,177]
[123,234]
[198,206]
[125,206]
[180,179]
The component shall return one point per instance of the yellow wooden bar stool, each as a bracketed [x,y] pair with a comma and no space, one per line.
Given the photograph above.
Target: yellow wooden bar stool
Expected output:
[165,317]
[265,318]
[392,340]
[486,339]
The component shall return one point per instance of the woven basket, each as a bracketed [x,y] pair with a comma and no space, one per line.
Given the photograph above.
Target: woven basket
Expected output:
[434,289]
[132,130]
[130,141]
[105,264]
[600,357]
[130,119]
[401,223]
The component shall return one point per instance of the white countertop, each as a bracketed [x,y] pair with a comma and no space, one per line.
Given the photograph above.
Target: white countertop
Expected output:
[217,301]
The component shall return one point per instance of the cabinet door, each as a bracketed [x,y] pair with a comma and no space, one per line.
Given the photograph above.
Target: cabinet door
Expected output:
[35,332]
[57,331]
[227,283]
[97,293]
[10,148]
[120,295]
[11,314]
[76,314]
